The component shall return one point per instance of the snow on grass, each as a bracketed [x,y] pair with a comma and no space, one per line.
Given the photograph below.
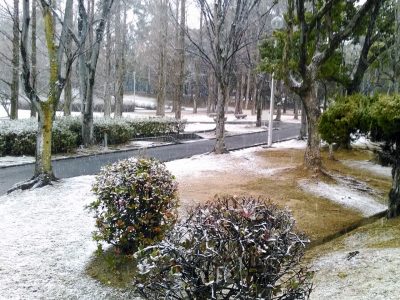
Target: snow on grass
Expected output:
[369,166]
[46,242]
[236,161]
[371,274]
[15,160]
[345,196]
[290,144]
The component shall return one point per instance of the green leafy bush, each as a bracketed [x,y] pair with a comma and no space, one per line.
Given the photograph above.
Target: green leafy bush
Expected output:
[136,203]
[118,130]
[230,248]
[341,120]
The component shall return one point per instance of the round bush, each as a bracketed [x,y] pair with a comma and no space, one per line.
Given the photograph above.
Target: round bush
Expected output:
[136,203]
[230,248]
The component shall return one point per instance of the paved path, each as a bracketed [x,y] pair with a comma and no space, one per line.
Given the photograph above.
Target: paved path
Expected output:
[89,165]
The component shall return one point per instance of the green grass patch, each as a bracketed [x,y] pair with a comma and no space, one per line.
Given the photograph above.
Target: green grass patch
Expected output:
[112,269]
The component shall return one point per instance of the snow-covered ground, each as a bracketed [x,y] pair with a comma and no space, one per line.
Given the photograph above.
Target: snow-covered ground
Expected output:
[345,196]
[371,274]
[369,166]
[46,236]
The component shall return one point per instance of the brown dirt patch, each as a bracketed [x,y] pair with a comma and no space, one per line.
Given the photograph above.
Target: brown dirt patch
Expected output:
[316,216]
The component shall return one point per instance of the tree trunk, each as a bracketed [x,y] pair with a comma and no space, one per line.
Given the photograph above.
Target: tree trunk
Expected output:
[68,83]
[394,194]
[211,94]
[220,147]
[15,63]
[248,88]
[198,67]
[303,127]
[312,158]
[43,167]
[87,68]
[107,88]
[254,96]
[296,109]
[238,98]
[119,61]
[162,63]
[181,61]
[33,55]
[258,103]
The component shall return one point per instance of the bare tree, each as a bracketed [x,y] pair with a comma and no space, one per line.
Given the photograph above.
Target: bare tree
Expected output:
[107,86]
[46,108]
[225,24]
[68,83]
[88,63]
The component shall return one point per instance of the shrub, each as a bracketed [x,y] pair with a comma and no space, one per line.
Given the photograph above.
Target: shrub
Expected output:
[231,248]
[118,130]
[136,203]
[156,126]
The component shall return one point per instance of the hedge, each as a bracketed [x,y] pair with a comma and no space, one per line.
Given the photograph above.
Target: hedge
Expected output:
[18,137]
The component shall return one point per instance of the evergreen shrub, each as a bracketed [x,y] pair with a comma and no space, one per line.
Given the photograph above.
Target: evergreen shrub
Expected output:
[136,204]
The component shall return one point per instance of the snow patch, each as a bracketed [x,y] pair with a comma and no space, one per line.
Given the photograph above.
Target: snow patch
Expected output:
[345,196]
[371,274]
[369,166]
[6,161]
[290,144]
[46,243]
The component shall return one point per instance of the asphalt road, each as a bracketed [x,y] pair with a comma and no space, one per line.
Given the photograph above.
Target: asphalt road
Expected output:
[89,165]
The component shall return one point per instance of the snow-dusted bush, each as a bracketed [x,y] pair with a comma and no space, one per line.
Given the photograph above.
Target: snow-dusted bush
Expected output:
[136,203]
[118,130]
[156,126]
[18,137]
[230,248]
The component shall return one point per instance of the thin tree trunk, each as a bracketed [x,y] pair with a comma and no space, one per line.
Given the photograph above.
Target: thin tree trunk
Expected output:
[258,106]
[181,62]
[211,94]
[279,102]
[87,69]
[220,147]
[254,96]
[176,60]
[238,98]
[15,63]
[248,88]
[198,67]
[162,64]
[107,88]
[296,109]
[68,83]
[119,61]
[33,55]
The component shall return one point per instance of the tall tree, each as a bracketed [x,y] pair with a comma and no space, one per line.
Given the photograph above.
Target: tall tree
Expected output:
[15,63]
[225,23]
[46,108]
[87,66]
[311,38]
[107,86]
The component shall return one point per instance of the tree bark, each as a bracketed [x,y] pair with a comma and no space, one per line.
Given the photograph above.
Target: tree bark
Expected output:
[238,98]
[303,128]
[120,33]
[248,88]
[107,88]
[33,54]
[15,63]
[394,194]
[296,109]
[197,98]
[312,158]
[68,83]
[220,147]
[181,62]
[162,63]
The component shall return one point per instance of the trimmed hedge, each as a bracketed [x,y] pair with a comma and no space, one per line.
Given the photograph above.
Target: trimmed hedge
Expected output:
[18,137]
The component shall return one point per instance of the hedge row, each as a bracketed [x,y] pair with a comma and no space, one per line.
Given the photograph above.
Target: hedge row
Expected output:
[18,137]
